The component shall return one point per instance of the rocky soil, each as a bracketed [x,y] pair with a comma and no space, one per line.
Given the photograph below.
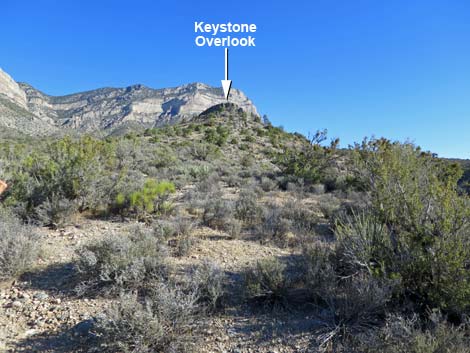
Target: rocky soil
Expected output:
[40,312]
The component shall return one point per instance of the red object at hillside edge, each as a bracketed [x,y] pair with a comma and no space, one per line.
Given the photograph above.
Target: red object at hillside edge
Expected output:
[3,186]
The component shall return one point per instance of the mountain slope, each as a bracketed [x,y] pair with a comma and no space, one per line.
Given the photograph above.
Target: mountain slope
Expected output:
[107,108]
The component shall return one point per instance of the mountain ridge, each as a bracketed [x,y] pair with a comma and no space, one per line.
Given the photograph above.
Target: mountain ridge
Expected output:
[104,109]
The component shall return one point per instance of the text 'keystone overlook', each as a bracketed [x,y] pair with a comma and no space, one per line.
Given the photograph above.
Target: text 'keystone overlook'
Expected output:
[209,32]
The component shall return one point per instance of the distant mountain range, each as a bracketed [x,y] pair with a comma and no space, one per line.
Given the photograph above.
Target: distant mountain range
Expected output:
[27,110]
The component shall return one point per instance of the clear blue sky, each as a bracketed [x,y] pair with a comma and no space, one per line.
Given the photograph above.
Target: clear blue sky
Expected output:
[399,69]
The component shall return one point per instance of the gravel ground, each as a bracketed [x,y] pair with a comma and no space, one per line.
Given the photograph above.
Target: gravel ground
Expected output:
[41,313]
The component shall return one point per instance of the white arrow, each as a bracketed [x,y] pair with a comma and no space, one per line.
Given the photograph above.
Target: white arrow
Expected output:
[226,84]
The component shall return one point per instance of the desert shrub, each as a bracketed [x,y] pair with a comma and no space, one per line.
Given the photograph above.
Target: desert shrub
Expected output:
[247,160]
[329,205]
[407,335]
[177,231]
[209,184]
[204,151]
[164,228]
[249,138]
[131,261]
[233,180]
[352,303]
[222,135]
[172,227]
[267,280]
[64,169]
[415,196]
[319,271]
[364,244]
[183,226]
[233,227]
[274,226]
[287,224]
[267,184]
[217,213]
[164,158]
[184,244]
[161,322]
[209,283]
[247,208]
[318,189]
[199,172]
[18,246]
[56,212]
[312,162]
[302,219]
[150,199]
[205,191]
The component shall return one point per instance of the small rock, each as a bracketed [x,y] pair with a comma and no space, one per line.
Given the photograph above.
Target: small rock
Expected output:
[30,332]
[17,304]
[25,295]
[41,296]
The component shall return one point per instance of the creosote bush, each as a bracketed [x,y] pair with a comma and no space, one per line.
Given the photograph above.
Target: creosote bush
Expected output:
[313,162]
[420,227]
[63,169]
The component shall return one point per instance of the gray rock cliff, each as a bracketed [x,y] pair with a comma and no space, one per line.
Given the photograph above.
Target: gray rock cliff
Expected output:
[27,109]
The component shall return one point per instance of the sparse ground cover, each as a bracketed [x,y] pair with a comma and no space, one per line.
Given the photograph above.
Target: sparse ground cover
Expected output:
[225,234]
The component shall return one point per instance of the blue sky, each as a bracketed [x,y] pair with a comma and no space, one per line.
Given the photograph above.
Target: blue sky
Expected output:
[399,69]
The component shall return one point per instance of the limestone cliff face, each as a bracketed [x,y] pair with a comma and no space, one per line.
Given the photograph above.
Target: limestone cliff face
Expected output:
[11,90]
[14,112]
[108,108]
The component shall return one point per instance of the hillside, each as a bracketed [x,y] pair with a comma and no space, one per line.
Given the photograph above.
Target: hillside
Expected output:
[223,233]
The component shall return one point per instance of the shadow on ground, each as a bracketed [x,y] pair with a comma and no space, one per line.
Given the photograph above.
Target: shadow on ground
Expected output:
[73,340]
[57,279]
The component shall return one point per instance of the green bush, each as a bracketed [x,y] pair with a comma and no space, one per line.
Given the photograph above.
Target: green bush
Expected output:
[365,245]
[426,239]
[151,199]
[312,161]
[67,169]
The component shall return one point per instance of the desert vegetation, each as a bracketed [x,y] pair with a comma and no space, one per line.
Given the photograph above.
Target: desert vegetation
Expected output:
[368,247]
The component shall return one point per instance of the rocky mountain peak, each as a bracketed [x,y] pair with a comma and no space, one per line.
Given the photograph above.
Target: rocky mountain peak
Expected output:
[110,108]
